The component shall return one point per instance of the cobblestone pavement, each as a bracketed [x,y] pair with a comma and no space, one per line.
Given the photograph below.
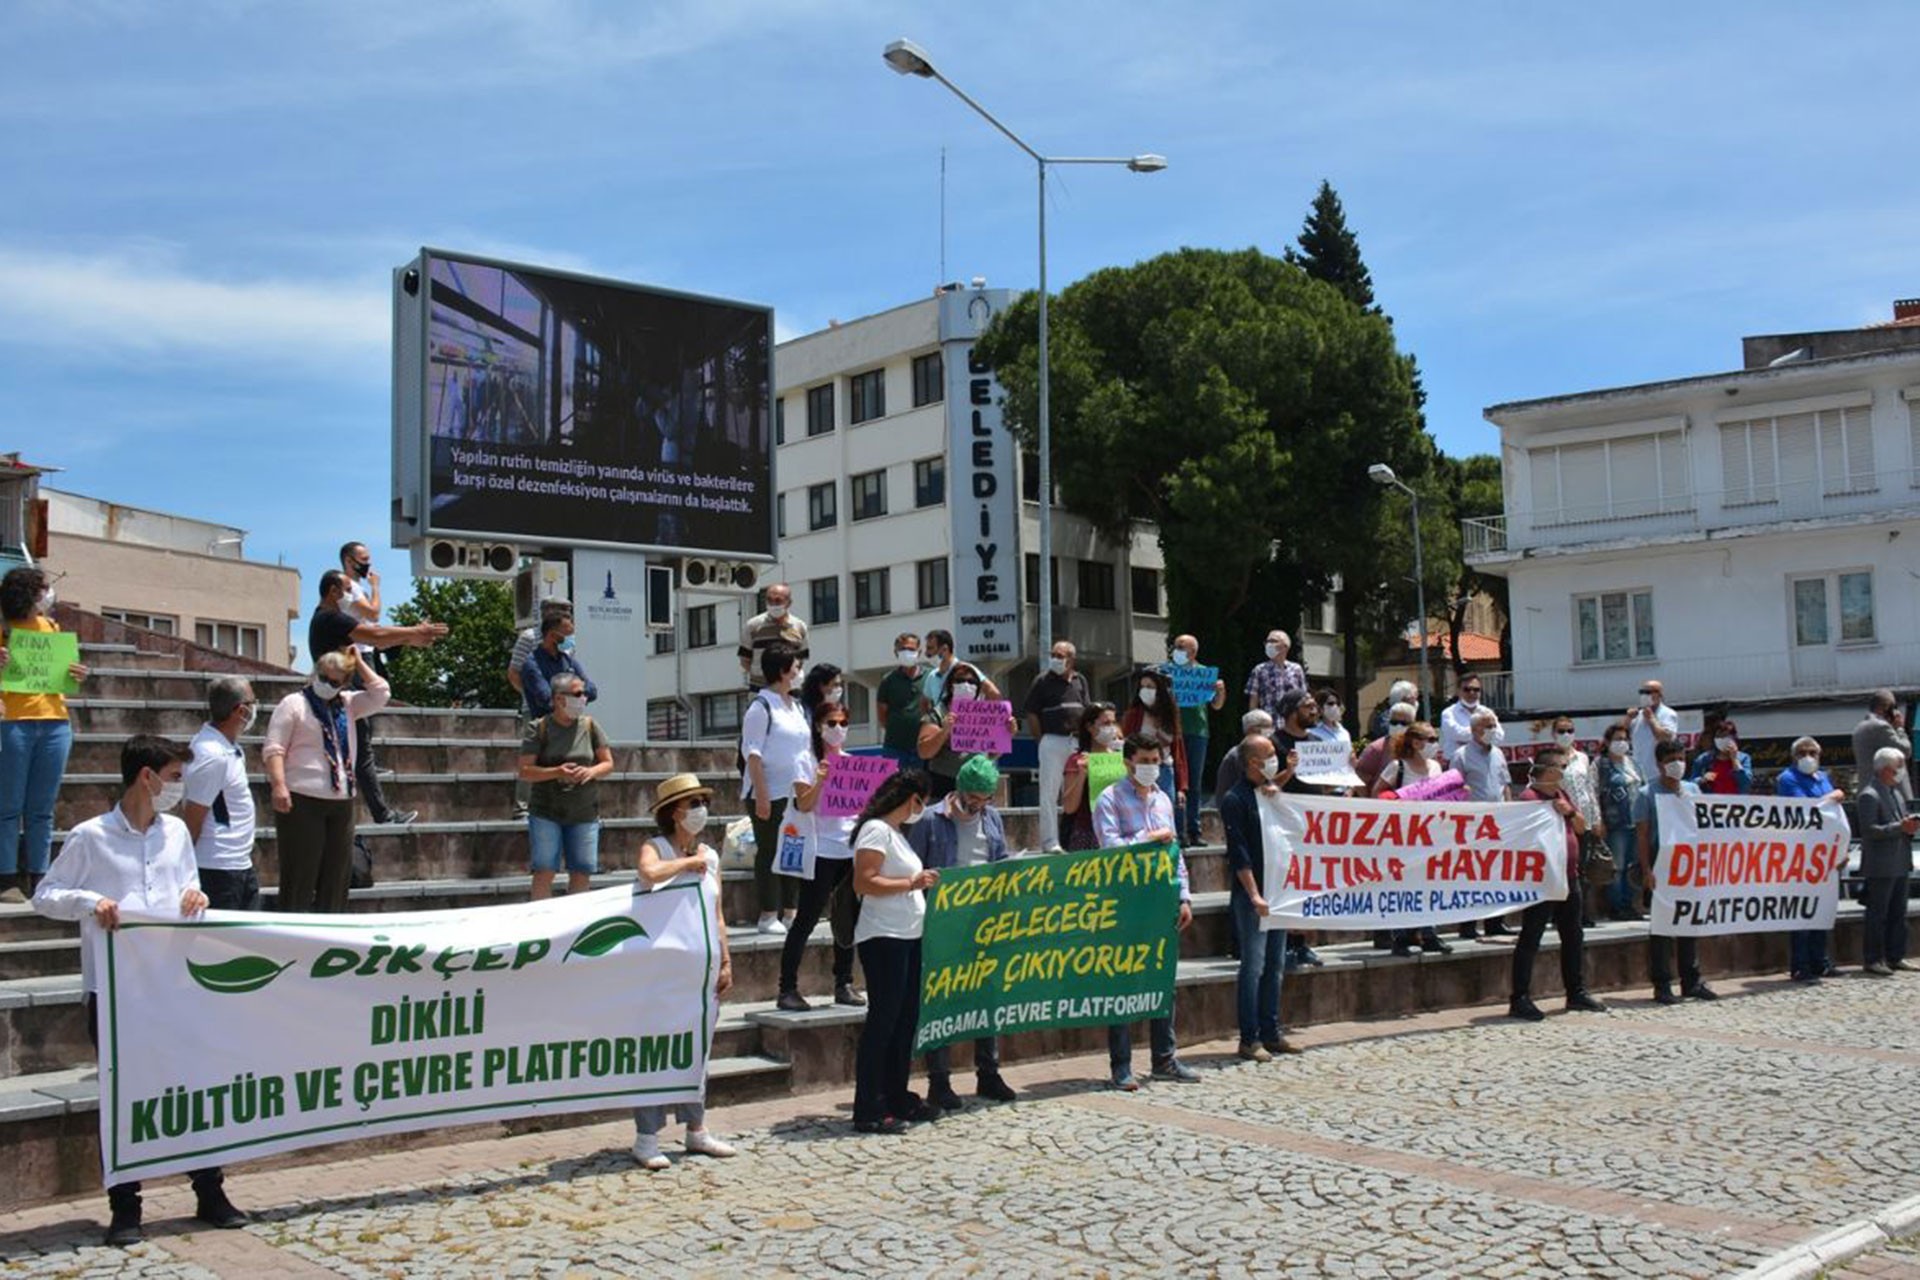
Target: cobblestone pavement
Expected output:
[1691,1141]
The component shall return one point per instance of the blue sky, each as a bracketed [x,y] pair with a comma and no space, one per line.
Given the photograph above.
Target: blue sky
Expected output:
[200,201]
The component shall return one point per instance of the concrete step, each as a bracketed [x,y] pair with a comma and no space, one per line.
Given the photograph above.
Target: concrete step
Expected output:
[50,1127]
[114,682]
[182,717]
[125,657]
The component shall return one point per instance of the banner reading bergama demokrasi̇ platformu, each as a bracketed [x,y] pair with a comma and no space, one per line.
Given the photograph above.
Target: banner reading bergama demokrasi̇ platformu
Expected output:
[1747,864]
[241,1034]
[1335,863]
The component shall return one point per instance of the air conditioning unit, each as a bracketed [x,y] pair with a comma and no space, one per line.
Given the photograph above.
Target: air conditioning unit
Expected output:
[719,575]
[446,558]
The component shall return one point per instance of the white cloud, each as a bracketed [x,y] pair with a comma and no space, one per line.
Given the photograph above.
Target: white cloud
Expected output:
[138,302]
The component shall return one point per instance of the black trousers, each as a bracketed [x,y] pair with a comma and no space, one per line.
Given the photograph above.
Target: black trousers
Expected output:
[1660,951]
[1884,936]
[126,1195]
[885,1058]
[775,892]
[366,771]
[830,891]
[231,890]
[1565,916]
[986,1061]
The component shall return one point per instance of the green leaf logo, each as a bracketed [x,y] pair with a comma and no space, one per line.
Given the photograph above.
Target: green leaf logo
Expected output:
[603,936]
[236,976]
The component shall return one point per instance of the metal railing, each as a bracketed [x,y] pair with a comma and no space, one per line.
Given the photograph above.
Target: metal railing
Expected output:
[1483,536]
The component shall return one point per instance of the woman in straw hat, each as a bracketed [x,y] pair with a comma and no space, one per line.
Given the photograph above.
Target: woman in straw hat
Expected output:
[677,855]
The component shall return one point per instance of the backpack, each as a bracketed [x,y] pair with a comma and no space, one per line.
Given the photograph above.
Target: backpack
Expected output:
[760,699]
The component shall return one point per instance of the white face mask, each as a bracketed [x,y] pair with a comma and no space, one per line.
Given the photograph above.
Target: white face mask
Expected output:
[833,735]
[777,611]
[1723,744]
[1807,764]
[1147,695]
[1107,734]
[693,821]
[1181,657]
[1617,748]
[1646,699]
[46,601]
[325,690]
[1395,728]
[1469,699]
[1057,665]
[1431,750]
[907,657]
[1147,775]
[171,793]
[1270,768]
[1496,735]
[914,817]
[253,713]
[574,704]
[1675,769]
[1275,650]
[1565,738]
[830,697]
[964,692]
[1331,713]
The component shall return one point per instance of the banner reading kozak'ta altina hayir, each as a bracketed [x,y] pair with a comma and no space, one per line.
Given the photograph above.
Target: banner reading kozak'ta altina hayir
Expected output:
[1747,864]
[1334,863]
[243,1034]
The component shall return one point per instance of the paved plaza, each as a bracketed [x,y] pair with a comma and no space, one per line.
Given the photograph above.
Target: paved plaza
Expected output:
[1691,1141]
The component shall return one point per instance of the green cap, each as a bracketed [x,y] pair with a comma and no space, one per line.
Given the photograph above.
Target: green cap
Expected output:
[979,776]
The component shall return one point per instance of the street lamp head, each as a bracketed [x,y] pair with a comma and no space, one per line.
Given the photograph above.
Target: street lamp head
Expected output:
[1147,164]
[1381,473]
[908,58]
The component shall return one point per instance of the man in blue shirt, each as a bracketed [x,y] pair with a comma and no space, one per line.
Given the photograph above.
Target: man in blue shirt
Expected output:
[1671,758]
[1807,958]
[551,657]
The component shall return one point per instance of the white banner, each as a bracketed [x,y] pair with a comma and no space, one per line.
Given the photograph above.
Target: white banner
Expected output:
[245,1034]
[1747,864]
[1324,762]
[1335,863]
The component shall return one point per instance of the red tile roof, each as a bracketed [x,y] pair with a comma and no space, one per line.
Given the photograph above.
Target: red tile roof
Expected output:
[1474,647]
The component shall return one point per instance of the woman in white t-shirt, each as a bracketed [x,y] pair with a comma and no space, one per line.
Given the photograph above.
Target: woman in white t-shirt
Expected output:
[675,856]
[829,891]
[774,736]
[893,906]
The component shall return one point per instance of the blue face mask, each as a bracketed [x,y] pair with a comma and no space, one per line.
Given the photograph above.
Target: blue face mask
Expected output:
[566,645]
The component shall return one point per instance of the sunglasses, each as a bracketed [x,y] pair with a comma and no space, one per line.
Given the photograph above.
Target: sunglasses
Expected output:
[1425,737]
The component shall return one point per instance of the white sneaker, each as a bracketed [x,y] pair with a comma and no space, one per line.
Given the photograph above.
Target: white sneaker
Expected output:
[771,924]
[702,1143]
[646,1149]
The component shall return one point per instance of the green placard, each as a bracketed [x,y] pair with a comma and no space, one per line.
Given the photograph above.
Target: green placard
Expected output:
[38,661]
[1067,940]
[1104,768]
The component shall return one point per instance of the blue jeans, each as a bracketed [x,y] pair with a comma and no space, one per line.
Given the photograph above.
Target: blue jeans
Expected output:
[1173,796]
[1262,962]
[1807,952]
[1625,852]
[580,842]
[1196,771]
[33,758]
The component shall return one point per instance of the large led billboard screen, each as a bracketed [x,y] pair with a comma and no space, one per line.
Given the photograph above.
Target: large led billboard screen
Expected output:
[560,410]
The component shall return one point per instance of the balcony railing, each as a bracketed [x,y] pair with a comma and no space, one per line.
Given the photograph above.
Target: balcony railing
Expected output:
[1680,514]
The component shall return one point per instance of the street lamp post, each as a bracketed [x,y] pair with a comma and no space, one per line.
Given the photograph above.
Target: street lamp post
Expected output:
[1381,473]
[909,59]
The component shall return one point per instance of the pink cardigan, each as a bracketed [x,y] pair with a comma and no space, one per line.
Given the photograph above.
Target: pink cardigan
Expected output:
[294,733]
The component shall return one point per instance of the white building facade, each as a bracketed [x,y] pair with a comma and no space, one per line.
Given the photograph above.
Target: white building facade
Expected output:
[1749,538]
[904,507]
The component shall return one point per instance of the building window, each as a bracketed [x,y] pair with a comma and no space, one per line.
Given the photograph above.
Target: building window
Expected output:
[1621,479]
[1614,626]
[1146,591]
[858,702]
[867,495]
[1798,457]
[165,624]
[871,592]
[824,596]
[1033,580]
[929,380]
[822,506]
[664,642]
[867,396]
[780,516]
[930,577]
[666,720]
[703,630]
[1029,476]
[230,637]
[1096,584]
[720,714]
[779,420]
[929,482]
[820,409]
[1814,599]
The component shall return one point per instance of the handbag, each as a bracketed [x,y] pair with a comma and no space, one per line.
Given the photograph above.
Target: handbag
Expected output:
[1597,865]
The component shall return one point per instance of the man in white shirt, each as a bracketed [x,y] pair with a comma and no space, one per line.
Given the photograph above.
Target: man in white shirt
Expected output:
[135,856]
[1652,722]
[1456,721]
[219,800]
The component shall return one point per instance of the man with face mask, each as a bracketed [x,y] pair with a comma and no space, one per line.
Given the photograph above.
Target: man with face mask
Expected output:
[1132,811]
[219,800]
[897,702]
[1482,763]
[1651,723]
[554,656]
[779,625]
[1262,951]
[1276,677]
[1053,708]
[1885,725]
[1196,730]
[939,656]
[1400,718]
[1456,719]
[1669,779]
[139,857]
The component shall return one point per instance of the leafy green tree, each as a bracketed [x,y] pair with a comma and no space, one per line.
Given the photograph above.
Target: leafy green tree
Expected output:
[1472,489]
[1330,251]
[1237,403]
[468,666]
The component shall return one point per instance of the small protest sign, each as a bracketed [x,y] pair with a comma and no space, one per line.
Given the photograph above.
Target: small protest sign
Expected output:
[1325,763]
[1104,768]
[982,726]
[1192,685]
[38,661]
[1447,785]
[851,782]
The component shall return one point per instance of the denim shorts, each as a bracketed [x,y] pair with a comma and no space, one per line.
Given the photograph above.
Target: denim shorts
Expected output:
[579,840]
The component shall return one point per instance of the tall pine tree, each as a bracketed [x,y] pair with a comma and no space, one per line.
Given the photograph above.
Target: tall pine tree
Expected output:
[1329,251]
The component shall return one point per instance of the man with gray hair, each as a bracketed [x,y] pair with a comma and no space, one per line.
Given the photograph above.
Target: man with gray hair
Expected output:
[218,805]
[1885,726]
[1400,718]
[1232,765]
[1398,692]
[1886,863]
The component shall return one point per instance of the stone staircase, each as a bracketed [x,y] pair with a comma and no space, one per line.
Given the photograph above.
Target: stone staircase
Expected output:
[465,850]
